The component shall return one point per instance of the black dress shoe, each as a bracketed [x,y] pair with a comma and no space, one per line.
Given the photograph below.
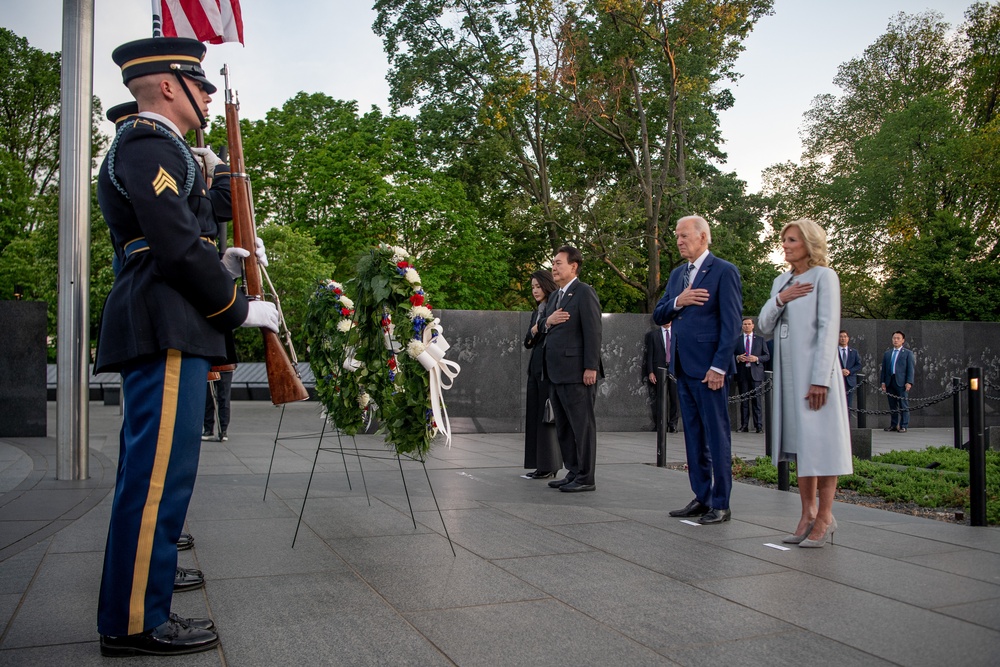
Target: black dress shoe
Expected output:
[744,429]
[541,474]
[758,430]
[715,516]
[169,638]
[197,623]
[671,429]
[187,580]
[556,483]
[889,428]
[185,542]
[575,487]
[900,430]
[694,508]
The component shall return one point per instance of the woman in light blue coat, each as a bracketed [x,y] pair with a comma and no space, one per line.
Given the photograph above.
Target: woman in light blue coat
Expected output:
[810,424]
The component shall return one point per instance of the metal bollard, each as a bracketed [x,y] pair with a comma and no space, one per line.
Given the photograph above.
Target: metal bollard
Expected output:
[661,421]
[956,410]
[859,395]
[977,448]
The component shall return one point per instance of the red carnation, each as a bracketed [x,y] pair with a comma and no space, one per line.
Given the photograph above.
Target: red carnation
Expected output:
[345,312]
[403,265]
[392,363]
[417,299]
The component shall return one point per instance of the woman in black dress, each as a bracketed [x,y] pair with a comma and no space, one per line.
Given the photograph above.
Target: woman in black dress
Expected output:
[541,448]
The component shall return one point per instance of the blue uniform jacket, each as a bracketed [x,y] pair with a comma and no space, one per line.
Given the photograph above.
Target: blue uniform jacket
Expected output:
[172,292]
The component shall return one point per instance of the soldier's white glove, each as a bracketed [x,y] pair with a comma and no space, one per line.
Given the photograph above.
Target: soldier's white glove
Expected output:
[232,259]
[208,158]
[261,257]
[262,315]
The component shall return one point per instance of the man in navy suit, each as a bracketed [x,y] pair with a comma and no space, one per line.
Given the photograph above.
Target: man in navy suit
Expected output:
[850,364]
[704,300]
[572,363]
[656,357]
[751,353]
[897,379]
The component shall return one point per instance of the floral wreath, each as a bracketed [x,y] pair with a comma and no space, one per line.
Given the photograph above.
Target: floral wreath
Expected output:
[361,365]
[330,330]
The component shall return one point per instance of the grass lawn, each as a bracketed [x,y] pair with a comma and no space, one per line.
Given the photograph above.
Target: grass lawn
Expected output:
[936,477]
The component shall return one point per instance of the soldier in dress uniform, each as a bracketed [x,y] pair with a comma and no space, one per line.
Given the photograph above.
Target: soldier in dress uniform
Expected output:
[166,321]
[185,579]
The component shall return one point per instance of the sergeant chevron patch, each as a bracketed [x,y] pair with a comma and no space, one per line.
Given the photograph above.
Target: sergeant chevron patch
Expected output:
[164,181]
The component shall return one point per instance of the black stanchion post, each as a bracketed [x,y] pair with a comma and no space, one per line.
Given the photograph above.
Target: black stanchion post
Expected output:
[783,483]
[977,448]
[768,380]
[661,417]
[956,409]
[859,396]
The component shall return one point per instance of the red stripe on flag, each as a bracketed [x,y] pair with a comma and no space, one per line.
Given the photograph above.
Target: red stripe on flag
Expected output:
[214,21]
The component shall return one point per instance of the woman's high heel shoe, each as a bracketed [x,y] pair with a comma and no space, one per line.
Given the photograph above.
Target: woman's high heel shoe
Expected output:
[797,538]
[821,541]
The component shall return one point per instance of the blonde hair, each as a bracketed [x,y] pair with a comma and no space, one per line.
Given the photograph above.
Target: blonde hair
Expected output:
[814,238]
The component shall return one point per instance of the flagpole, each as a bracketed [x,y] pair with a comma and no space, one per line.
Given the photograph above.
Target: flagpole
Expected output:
[73,321]
[157,22]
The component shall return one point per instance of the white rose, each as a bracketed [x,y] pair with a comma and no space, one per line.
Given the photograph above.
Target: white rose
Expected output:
[415,348]
[347,303]
[412,276]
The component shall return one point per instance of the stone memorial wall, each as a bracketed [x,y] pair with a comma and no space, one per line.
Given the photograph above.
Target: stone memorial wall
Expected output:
[488,396]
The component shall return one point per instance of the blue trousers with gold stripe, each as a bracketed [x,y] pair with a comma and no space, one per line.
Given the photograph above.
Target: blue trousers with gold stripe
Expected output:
[158,461]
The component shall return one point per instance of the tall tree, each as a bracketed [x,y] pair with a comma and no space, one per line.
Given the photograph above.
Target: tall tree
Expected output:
[599,117]
[646,77]
[906,153]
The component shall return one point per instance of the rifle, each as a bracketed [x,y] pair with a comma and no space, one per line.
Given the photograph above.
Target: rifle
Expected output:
[283,378]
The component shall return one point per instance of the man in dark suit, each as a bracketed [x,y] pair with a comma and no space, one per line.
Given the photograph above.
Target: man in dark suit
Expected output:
[850,364]
[656,356]
[751,353]
[897,379]
[572,363]
[704,301]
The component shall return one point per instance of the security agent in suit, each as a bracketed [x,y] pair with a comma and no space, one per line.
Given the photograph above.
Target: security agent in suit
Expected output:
[850,364]
[655,357]
[165,322]
[751,353]
[897,380]
[704,301]
[572,364]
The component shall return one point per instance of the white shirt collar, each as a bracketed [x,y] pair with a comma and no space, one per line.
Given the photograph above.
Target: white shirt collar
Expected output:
[701,260]
[565,288]
[152,115]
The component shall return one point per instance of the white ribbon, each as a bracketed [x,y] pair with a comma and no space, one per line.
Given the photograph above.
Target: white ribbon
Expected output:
[350,363]
[433,361]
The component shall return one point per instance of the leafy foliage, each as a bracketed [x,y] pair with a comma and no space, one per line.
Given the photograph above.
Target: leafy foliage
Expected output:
[329,328]
[946,484]
[592,123]
[902,170]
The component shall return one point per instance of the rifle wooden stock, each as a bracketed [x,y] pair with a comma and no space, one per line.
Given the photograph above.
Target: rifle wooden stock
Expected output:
[282,377]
